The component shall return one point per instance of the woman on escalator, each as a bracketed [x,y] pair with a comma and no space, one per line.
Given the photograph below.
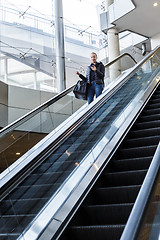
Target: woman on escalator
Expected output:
[94,77]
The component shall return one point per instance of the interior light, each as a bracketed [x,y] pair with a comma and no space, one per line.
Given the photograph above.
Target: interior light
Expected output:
[13,136]
[18,153]
[96,167]
[68,153]
[155,4]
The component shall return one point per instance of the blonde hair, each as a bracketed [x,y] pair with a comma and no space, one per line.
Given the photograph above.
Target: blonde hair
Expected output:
[94,53]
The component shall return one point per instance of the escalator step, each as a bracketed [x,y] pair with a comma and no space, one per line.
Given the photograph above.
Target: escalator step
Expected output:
[114,195]
[149,118]
[103,214]
[156,95]
[153,106]
[146,132]
[151,111]
[13,224]
[145,141]
[150,124]
[123,178]
[145,151]
[107,232]
[131,164]
[155,100]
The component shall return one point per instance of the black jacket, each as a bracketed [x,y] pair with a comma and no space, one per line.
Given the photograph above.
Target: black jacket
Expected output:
[99,74]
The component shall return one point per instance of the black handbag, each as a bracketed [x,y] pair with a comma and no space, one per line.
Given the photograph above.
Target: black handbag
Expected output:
[80,90]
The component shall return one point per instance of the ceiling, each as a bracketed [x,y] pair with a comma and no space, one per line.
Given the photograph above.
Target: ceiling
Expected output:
[144,19]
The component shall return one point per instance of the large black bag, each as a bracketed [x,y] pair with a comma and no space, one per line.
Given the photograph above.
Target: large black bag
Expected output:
[80,90]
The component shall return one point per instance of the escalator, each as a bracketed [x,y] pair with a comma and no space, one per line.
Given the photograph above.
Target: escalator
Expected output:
[105,211]
[63,168]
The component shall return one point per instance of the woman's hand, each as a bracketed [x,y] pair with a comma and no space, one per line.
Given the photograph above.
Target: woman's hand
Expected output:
[93,67]
[78,73]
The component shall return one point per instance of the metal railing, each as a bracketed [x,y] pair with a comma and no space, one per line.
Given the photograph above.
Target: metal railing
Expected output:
[118,58]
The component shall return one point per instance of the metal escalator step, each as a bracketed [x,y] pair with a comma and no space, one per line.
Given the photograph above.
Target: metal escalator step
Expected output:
[153,117]
[146,132]
[156,95]
[104,214]
[123,178]
[150,124]
[144,151]
[114,195]
[145,141]
[155,100]
[151,111]
[98,232]
[131,164]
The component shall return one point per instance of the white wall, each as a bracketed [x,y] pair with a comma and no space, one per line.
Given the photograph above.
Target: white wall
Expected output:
[155,41]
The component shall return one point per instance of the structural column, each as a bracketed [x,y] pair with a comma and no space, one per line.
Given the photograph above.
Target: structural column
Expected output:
[35,80]
[59,43]
[113,48]
[113,52]
[5,69]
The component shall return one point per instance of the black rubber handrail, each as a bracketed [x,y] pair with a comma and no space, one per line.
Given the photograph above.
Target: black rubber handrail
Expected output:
[118,58]
[43,106]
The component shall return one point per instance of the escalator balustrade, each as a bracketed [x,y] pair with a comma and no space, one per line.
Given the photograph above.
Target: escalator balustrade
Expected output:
[106,209]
